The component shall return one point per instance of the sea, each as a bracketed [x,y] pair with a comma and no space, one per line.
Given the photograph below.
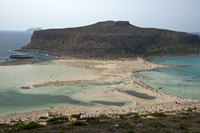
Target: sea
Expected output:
[13,40]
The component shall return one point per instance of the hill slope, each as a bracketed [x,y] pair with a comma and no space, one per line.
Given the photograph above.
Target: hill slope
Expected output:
[114,40]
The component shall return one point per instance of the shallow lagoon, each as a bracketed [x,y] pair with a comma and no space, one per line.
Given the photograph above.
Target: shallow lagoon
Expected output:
[14,99]
[181,81]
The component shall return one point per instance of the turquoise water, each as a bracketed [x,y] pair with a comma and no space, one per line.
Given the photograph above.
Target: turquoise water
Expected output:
[85,95]
[183,81]
[14,99]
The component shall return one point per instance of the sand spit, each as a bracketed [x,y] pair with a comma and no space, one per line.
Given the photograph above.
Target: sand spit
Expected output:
[108,71]
[113,71]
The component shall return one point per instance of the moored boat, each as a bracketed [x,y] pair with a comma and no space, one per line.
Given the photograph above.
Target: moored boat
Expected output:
[20,56]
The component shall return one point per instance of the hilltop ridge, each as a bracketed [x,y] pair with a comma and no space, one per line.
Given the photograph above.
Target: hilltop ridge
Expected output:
[112,39]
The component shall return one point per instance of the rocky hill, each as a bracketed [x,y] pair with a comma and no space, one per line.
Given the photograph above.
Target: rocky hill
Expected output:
[113,40]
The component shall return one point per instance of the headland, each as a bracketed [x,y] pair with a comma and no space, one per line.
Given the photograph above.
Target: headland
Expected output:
[113,40]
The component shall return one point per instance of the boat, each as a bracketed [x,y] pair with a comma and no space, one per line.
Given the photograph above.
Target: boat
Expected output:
[20,56]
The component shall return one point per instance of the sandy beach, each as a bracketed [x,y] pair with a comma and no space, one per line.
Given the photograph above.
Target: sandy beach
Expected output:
[145,99]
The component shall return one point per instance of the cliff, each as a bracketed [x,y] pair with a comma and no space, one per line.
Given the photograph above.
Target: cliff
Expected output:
[114,40]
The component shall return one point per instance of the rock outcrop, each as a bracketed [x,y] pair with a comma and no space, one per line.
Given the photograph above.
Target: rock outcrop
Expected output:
[114,40]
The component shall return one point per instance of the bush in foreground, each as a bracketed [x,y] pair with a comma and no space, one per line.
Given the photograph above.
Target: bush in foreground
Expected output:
[184,127]
[77,123]
[158,115]
[31,125]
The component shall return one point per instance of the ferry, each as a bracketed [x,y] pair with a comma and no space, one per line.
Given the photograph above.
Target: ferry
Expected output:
[20,56]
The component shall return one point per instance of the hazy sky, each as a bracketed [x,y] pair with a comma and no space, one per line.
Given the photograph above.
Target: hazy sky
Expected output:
[179,15]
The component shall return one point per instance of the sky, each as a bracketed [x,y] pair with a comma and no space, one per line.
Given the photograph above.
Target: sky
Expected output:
[178,15]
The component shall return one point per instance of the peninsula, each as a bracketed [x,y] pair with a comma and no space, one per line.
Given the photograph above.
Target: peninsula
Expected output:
[113,40]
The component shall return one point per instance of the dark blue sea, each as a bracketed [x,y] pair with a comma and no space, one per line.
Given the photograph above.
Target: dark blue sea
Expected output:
[12,40]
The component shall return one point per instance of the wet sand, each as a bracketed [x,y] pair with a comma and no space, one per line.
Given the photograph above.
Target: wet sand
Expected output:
[109,72]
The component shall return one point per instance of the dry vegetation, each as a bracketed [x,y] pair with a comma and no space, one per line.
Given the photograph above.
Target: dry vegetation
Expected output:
[187,121]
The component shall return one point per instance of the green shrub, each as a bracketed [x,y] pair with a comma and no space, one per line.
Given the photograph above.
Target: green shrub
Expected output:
[3,124]
[144,115]
[197,114]
[173,120]
[125,125]
[156,125]
[198,126]
[31,125]
[124,116]
[184,127]
[185,118]
[135,117]
[181,118]
[130,131]
[158,115]
[168,132]
[155,115]
[197,121]
[43,117]
[61,132]
[77,123]
[100,123]
[110,130]
[119,120]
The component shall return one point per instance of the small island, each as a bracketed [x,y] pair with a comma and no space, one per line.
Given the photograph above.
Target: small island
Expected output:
[33,29]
